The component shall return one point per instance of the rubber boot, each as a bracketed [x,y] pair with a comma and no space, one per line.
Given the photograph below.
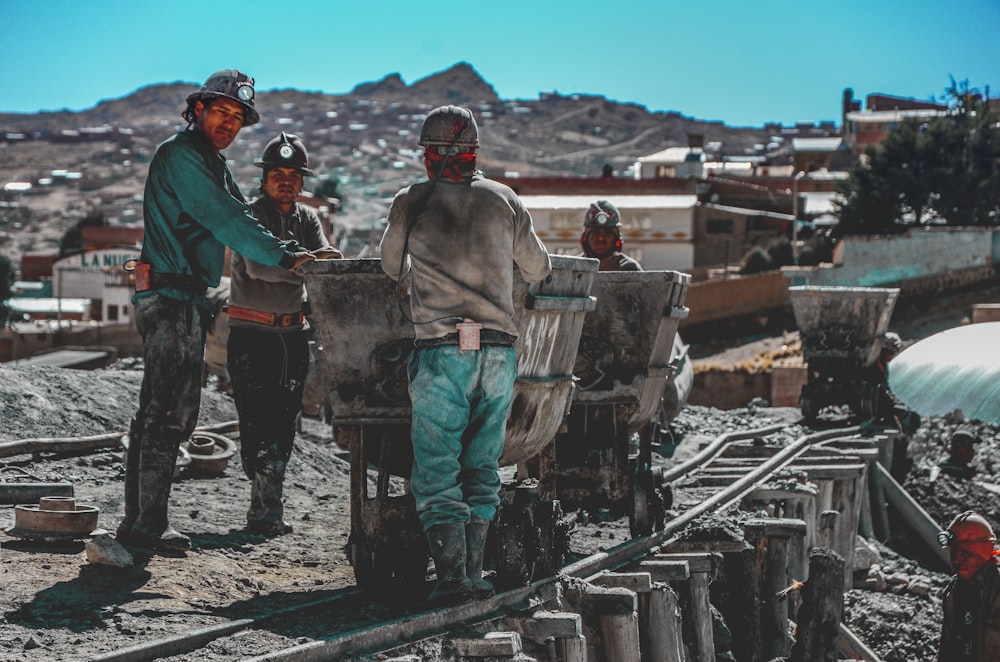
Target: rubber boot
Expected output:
[151,529]
[475,550]
[447,546]
[266,509]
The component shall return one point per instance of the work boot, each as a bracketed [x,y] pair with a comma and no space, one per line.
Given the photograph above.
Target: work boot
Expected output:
[170,541]
[475,550]
[266,509]
[447,545]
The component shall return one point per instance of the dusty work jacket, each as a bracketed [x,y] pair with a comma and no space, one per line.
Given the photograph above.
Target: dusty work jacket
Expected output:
[270,289]
[972,618]
[192,210]
[462,249]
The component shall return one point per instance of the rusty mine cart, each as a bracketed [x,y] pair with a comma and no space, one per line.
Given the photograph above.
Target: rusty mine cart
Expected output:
[367,342]
[625,386]
[841,330]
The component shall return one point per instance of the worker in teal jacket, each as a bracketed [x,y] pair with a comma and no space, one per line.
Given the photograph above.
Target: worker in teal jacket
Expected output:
[192,210]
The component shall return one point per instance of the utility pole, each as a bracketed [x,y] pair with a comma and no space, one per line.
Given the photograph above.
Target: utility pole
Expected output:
[795,213]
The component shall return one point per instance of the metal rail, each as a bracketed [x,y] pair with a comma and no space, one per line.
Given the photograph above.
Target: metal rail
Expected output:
[423,625]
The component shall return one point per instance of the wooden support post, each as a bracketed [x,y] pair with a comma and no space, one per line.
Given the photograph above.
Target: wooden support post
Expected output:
[560,632]
[497,646]
[662,641]
[795,502]
[826,533]
[702,568]
[822,603]
[611,614]
[771,541]
[880,515]
[659,614]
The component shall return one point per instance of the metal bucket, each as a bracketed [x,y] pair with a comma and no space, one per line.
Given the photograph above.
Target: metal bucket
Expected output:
[367,341]
[626,343]
[842,322]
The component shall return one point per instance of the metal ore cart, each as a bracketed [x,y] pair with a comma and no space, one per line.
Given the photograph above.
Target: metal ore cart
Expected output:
[367,342]
[625,371]
[841,330]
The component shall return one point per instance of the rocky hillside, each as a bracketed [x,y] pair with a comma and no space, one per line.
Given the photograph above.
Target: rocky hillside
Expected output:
[94,161]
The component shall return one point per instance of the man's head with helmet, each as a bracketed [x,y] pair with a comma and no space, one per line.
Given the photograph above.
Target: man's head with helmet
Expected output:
[450,138]
[971,544]
[222,106]
[601,230]
[285,161]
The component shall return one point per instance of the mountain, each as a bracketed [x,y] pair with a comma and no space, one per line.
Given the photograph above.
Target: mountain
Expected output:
[363,141]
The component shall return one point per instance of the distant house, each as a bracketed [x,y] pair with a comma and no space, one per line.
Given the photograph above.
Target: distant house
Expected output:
[862,128]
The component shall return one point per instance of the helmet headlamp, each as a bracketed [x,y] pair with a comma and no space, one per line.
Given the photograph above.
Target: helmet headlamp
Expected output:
[286,151]
[244,91]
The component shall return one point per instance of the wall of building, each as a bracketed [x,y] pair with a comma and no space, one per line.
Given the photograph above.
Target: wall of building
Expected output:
[735,296]
[917,255]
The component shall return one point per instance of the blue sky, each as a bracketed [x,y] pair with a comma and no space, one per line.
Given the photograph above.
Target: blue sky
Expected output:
[743,63]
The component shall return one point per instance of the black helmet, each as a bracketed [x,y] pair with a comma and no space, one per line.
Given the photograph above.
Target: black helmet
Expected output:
[285,151]
[232,84]
[450,126]
[602,214]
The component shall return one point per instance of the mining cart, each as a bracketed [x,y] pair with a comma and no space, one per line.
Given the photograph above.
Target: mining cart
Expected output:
[841,329]
[367,342]
[626,381]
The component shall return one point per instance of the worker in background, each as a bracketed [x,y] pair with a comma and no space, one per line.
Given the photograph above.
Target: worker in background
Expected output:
[460,236]
[961,451]
[268,347]
[887,406]
[970,631]
[602,238]
[192,210]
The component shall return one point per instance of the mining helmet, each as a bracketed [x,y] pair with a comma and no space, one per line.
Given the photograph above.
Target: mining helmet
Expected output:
[969,527]
[286,150]
[602,214]
[892,342]
[450,126]
[232,84]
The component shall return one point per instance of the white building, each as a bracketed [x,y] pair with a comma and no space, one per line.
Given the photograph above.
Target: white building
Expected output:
[657,230]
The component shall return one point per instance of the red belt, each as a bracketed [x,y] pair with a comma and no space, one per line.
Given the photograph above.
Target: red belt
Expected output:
[268,319]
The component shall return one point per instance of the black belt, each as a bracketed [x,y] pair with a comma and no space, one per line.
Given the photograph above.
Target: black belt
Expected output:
[178,281]
[486,337]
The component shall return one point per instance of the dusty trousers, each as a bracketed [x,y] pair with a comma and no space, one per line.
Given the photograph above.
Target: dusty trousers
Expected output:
[461,400]
[173,336]
[267,371]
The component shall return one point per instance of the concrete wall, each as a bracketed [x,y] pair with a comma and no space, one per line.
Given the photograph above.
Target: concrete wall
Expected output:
[916,255]
[735,296]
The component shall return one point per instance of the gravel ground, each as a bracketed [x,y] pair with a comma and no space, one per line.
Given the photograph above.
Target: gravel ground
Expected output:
[57,606]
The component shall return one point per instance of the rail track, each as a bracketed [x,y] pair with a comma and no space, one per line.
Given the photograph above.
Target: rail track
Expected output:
[757,472]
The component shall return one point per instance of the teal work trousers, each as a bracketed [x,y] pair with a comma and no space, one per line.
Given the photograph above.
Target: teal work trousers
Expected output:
[461,400]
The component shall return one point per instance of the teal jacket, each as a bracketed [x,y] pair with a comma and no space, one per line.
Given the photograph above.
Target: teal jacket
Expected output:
[192,210]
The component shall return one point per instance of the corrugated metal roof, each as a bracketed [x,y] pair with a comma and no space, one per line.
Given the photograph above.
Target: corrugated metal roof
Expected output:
[955,369]
[672,155]
[582,202]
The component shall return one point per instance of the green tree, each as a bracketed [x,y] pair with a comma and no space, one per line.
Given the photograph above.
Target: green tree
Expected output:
[72,240]
[942,171]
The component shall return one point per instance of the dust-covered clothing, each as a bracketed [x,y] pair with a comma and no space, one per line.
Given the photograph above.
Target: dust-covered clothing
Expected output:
[461,400]
[192,210]
[462,252]
[268,362]
[173,336]
[270,289]
[465,241]
[970,631]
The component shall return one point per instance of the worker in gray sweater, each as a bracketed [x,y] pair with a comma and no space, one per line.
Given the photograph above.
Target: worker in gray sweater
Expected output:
[268,349]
